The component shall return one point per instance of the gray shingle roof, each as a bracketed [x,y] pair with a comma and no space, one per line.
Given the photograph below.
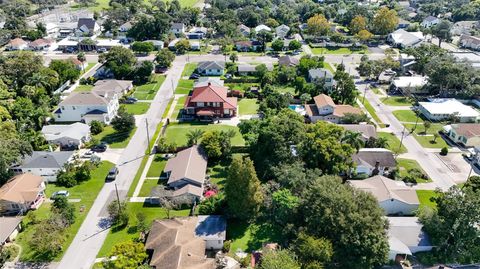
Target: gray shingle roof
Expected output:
[211,65]
[367,130]
[320,73]
[88,22]
[8,224]
[84,98]
[46,159]
[371,156]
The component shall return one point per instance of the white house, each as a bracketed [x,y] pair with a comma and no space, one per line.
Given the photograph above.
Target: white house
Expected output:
[467,134]
[282,31]
[403,39]
[86,107]
[325,109]
[262,27]
[322,74]
[211,68]
[87,27]
[17,44]
[21,193]
[44,164]
[177,28]
[409,85]
[429,22]
[67,136]
[374,161]
[394,197]
[194,45]
[406,237]
[442,109]
[197,33]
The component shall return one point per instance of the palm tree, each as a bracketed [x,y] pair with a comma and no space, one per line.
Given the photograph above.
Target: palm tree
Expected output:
[354,139]
[81,57]
[230,133]
[193,136]
[381,142]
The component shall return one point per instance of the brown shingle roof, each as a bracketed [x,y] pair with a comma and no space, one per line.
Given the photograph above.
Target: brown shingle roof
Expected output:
[467,130]
[341,110]
[385,189]
[23,188]
[367,130]
[323,100]
[189,164]
[17,42]
[8,224]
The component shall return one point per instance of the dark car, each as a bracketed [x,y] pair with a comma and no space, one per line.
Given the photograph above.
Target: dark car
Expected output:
[112,174]
[194,76]
[130,100]
[102,147]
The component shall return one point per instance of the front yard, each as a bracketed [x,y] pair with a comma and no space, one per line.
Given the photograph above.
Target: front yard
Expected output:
[405,165]
[113,138]
[138,108]
[86,191]
[393,142]
[149,90]
[189,69]
[406,116]
[184,86]
[176,132]
[396,101]
[247,106]
[318,51]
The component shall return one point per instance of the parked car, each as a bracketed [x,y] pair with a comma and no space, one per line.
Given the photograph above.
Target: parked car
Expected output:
[112,174]
[102,147]
[59,194]
[88,154]
[101,50]
[194,76]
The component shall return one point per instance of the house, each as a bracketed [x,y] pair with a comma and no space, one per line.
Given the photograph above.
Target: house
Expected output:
[65,32]
[249,69]
[68,136]
[406,237]
[393,196]
[180,243]
[472,57]
[157,44]
[463,28]
[282,31]
[429,22]
[374,161]
[204,81]
[210,101]
[244,30]
[467,134]
[288,61]
[262,27]
[177,28]
[40,44]
[10,228]
[115,86]
[21,193]
[443,109]
[366,130]
[403,39]
[248,45]
[197,33]
[211,68]
[403,24]
[86,107]
[470,42]
[16,44]
[194,45]
[125,27]
[322,75]
[44,163]
[171,45]
[78,64]
[325,109]
[87,27]
[409,85]
[187,170]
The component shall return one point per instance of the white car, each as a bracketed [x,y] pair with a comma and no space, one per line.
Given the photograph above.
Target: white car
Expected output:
[88,154]
[60,193]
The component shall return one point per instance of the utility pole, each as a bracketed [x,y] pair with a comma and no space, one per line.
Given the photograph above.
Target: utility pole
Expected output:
[365,93]
[118,200]
[401,142]
[148,137]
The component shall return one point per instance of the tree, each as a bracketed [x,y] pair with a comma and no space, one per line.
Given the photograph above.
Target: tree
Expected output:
[322,148]
[357,24]
[124,121]
[427,125]
[385,21]
[318,25]
[442,31]
[213,205]
[243,204]
[444,151]
[96,127]
[354,139]
[233,57]
[452,227]
[142,47]
[216,144]
[65,69]
[423,54]
[345,90]
[120,60]
[305,98]
[350,219]
[364,35]
[182,46]
[150,27]
[294,45]
[353,118]
[283,207]
[47,239]
[165,57]
[312,250]
[274,259]
[193,136]
[12,149]
[128,255]
[473,183]
[118,214]
[435,137]
[277,45]
[64,209]
[82,58]
[143,72]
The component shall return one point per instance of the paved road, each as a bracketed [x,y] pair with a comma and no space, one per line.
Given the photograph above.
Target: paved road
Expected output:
[82,252]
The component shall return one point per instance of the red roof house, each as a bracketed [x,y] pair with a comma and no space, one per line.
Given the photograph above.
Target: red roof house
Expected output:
[211,101]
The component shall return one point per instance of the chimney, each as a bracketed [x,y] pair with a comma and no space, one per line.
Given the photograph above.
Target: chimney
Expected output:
[209,83]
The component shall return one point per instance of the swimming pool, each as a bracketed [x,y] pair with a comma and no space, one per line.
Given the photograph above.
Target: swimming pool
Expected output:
[300,109]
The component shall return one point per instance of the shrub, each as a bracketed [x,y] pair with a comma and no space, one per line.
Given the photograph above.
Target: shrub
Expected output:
[226,246]
[444,151]
[96,127]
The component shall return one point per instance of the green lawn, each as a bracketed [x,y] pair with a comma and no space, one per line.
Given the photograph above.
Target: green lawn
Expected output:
[178,107]
[284,89]
[130,233]
[83,88]
[89,66]
[393,142]
[184,86]
[138,108]
[240,86]
[149,90]
[165,113]
[396,101]
[376,91]
[113,138]
[337,51]
[189,69]
[328,67]
[147,187]
[177,132]
[424,198]
[136,179]
[406,116]
[86,191]
[405,165]
[248,106]
[156,168]
[427,140]
[371,111]
[249,237]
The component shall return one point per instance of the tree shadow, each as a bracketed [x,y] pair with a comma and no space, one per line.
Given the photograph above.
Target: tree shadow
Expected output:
[263,234]
[115,137]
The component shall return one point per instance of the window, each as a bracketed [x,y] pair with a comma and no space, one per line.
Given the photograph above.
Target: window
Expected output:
[63,108]
[73,107]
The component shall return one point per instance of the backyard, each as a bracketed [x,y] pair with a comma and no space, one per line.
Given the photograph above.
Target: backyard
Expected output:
[247,106]
[393,142]
[86,191]
[113,138]
[248,237]
[176,133]
[83,88]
